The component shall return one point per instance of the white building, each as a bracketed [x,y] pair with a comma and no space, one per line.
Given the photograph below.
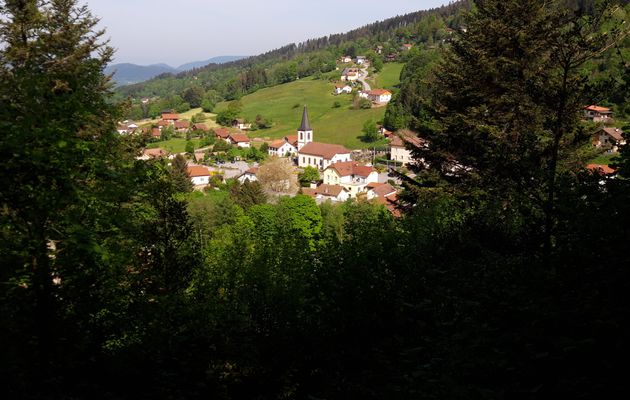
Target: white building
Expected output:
[379,96]
[318,155]
[350,74]
[282,148]
[343,88]
[239,140]
[199,175]
[398,149]
[249,175]
[353,176]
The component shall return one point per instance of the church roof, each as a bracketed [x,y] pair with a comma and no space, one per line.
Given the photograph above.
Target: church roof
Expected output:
[324,150]
[305,125]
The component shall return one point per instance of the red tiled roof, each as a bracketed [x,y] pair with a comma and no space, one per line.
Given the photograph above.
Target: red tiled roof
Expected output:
[402,136]
[155,132]
[384,190]
[600,169]
[292,139]
[378,92]
[163,122]
[183,124]
[239,138]
[276,144]
[614,133]
[197,170]
[173,117]
[329,190]
[200,127]
[252,170]
[325,150]
[309,192]
[351,168]
[223,133]
[155,152]
[601,110]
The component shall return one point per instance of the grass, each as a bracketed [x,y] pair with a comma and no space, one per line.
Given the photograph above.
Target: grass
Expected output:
[389,76]
[284,103]
[210,118]
[174,145]
[603,159]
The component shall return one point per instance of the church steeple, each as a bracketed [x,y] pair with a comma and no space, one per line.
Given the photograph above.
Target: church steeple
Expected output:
[305,132]
[305,125]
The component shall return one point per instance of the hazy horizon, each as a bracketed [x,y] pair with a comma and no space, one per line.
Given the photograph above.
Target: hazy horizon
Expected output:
[149,32]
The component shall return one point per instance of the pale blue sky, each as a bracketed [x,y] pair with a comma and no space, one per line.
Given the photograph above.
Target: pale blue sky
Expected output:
[180,31]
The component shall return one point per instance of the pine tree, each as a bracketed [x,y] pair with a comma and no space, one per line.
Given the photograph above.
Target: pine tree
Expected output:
[60,152]
[179,174]
[503,109]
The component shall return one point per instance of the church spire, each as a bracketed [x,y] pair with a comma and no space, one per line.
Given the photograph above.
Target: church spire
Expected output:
[305,126]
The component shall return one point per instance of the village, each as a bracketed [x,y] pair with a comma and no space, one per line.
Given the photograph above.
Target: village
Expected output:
[299,164]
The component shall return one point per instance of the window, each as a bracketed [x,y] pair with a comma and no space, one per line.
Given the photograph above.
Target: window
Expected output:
[301,137]
[303,160]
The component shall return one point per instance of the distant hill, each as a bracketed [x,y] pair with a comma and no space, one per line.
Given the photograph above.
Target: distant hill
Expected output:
[213,60]
[127,74]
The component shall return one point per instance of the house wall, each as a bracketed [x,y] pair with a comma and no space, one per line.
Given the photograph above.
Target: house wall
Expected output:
[400,154]
[200,180]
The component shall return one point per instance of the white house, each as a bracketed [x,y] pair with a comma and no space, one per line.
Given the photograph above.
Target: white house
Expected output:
[353,176]
[398,150]
[330,192]
[380,96]
[345,59]
[241,124]
[361,60]
[609,139]
[239,140]
[199,176]
[597,113]
[343,88]
[249,175]
[350,74]
[281,148]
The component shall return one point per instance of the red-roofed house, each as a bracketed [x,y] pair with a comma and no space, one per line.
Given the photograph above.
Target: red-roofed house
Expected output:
[597,114]
[353,176]
[398,149]
[170,117]
[343,88]
[331,192]
[199,175]
[609,139]
[281,148]
[600,169]
[380,96]
[249,175]
[182,126]
[406,46]
[200,127]
[239,140]
[222,133]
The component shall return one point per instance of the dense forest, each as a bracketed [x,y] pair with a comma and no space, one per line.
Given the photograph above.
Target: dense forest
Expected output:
[506,277]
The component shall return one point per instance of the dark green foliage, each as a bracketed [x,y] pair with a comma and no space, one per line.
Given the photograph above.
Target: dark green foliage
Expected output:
[370,131]
[248,194]
[179,173]
[194,96]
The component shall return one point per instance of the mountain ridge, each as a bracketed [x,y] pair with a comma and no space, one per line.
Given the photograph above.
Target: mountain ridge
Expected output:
[130,73]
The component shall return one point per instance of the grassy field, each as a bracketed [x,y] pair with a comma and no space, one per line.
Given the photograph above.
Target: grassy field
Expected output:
[174,145]
[389,76]
[283,104]
[210,118]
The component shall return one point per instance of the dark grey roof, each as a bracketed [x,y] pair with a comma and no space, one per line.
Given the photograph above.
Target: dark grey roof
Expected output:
[305,125]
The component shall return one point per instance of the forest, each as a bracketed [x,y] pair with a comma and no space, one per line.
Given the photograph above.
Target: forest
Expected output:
[506,277]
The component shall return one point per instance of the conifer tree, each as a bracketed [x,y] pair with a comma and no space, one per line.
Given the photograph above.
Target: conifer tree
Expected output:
[503,110]
[60,155]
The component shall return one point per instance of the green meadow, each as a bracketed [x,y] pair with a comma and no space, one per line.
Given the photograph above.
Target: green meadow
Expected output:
[283,104]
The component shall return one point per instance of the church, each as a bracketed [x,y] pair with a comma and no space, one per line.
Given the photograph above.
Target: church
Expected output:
[314,154]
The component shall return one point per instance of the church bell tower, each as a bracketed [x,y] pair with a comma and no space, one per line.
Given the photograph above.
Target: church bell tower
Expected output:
[305,132]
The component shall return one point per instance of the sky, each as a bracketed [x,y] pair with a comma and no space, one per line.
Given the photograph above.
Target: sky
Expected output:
[180,31]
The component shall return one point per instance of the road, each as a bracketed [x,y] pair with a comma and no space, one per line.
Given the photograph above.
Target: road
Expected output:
[362,78]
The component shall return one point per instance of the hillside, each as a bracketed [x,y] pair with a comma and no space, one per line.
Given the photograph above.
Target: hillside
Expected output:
[127,73]
[283,104]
